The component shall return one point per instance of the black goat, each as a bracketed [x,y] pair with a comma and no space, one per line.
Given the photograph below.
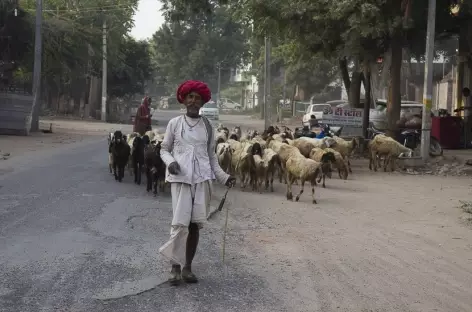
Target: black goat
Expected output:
[155,167]
[120,151]
[137,156]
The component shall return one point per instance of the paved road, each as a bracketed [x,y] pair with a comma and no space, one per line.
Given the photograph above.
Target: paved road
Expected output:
[73,239]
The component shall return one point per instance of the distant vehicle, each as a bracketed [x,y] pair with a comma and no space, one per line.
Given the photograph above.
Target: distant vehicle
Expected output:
[229,104]
[210,110]
[378,115]
[316,111]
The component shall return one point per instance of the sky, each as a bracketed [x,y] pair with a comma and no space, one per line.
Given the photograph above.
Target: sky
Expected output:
[147,19]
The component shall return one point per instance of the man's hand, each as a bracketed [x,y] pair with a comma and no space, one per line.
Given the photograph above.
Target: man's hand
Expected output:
[230,182]
[174,168]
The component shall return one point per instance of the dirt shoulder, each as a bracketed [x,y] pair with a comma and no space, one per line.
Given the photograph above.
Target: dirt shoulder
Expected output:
[63,132]
[376,242]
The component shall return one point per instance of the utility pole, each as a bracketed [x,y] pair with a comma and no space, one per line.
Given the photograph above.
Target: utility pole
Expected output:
[428,82]
[219,85]
[267,81]
[104,73]
[38,47]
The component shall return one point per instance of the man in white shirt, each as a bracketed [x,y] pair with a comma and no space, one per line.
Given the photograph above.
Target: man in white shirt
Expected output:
[188,150]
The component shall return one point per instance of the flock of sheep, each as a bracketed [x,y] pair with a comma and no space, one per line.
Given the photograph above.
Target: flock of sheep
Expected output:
[255,158]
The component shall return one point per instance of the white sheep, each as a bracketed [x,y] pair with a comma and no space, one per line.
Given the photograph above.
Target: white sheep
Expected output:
[271,165]
[305,169]
[382,145]
[345,148]
[305,145]
[224,154]
[326,158]
[236,132]
[259,173]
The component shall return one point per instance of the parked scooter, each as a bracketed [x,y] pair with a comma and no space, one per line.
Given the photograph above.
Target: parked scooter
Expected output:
[411,138]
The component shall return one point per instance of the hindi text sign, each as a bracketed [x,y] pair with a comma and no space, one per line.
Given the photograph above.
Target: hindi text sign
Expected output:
[340,116]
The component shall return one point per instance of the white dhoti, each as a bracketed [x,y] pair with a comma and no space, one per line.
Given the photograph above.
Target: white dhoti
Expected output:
[190,204]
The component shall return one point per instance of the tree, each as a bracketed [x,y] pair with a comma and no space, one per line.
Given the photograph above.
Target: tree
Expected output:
[131,70]
[72,46]
[190,46]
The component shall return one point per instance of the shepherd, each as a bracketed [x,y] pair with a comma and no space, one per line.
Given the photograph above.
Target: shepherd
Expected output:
[188,150]
[142,121]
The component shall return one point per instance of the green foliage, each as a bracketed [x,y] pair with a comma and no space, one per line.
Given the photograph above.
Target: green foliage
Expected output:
[192,47]
[15,35]
[132,69]
[72,42]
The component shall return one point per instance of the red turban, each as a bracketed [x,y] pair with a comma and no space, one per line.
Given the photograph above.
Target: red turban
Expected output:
[193,86]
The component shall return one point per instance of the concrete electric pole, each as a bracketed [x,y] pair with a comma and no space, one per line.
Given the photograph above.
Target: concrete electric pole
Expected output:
[104,74]
[38,47]
[428,82]
[267,83]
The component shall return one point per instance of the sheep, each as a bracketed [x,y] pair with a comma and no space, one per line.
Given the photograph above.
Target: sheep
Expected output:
[305,145]
[340,163]
[221,136]
[258,139]
[237,132]
[249,135]
[305,169]
[130,142]
[224,152]
[242,161]
[275,146]
[110,155]
[259,173]
[270,131]
[137,156]
[154,136]
[120,152]
[271,164]
[155,168]
[345,148]
[234,136]
[382,145]
[326,158]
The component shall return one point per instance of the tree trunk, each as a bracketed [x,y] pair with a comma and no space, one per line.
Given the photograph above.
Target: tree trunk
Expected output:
[354,92]
[394,100]
[345,74]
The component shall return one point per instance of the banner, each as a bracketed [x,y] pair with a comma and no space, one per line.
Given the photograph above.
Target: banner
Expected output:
[339,116]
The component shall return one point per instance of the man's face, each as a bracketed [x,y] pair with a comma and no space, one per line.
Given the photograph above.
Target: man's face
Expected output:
[466,93]
[193,102]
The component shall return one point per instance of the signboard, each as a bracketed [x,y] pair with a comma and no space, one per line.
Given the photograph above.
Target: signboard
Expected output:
[339,116]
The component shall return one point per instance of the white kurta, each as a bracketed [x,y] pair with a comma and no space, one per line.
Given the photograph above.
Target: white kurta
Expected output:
[191,188]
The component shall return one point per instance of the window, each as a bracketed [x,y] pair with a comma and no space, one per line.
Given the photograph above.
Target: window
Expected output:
[320,108]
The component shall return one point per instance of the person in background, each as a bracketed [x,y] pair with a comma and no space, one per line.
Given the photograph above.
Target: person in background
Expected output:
[142,121]
[188,150]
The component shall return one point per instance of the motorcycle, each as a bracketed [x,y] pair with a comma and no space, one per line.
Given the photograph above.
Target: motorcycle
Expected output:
[309,133]
[411,138]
